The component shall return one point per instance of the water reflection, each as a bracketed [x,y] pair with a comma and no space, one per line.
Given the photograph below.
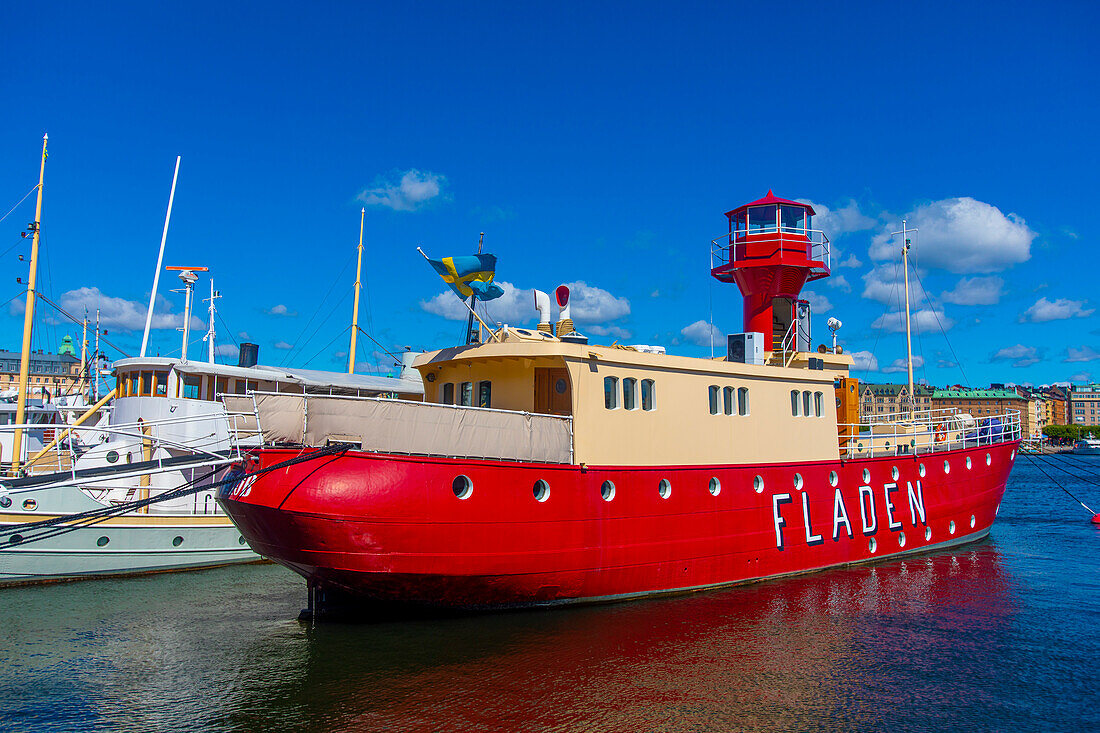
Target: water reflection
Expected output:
[777,655]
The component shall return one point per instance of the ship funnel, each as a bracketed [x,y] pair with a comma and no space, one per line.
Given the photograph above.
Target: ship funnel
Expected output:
[565,323]
[542,305]
[407,371]
[248,355]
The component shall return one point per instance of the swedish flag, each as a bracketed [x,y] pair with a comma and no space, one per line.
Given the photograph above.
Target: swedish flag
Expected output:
[470,275]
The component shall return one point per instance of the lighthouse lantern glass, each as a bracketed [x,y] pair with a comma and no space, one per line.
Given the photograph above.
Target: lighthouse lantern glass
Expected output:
[740,224]
[792,218]
[761,218]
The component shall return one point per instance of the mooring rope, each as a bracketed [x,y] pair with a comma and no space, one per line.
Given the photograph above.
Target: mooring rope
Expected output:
[1056,483]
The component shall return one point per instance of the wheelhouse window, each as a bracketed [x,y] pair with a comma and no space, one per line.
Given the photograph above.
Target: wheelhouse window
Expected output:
[740,225]
[160,388]
[466,394]
[630,393]
[610,392]
[713,393]
[647,394]
[761,218]
[795,403]
[727,400]
[742,400]
[792,218]
[485,394]
[146,388]
[192,387]
[448,393]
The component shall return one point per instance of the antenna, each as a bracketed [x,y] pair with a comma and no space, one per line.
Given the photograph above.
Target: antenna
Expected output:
[209,337]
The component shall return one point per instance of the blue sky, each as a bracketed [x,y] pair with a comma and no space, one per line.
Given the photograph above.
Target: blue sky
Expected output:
[594,146]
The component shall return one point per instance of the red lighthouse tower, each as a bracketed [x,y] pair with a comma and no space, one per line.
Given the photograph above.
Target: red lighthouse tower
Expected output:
[772,251]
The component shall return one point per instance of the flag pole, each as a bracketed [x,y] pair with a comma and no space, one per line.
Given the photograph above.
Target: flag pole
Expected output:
[460,300]
[473,298]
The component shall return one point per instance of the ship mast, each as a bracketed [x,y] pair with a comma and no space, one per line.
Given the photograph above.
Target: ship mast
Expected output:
[355,307]
[28,319]
[160,260]
[908,329]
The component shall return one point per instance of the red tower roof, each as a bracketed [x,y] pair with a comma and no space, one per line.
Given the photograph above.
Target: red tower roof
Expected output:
[771,198]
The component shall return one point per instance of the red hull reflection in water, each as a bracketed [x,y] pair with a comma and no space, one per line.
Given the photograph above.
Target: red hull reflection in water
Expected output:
[786,654]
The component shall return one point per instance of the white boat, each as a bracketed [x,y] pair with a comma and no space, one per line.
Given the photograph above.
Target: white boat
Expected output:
[1087,447]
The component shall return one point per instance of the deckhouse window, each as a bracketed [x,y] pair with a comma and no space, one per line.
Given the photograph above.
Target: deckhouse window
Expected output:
[448,393]
[485,394]
[647,394]
[795,403]
[742,400]
[761,218]
[146,388]
[630,392]
[819,404]
[611,392]
[713,399]
[161,388]
[192,385]
[466,394]
[727,400]
[806,404]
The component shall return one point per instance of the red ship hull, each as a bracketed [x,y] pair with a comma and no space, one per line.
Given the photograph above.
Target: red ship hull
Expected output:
[388,528]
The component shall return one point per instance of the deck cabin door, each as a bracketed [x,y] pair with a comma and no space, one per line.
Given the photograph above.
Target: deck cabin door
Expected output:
[552,393]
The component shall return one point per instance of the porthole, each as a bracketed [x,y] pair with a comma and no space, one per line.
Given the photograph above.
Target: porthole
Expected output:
[541,490]
[758,484]
[947,466]
[462,487]
[607,490]
[927,534]
[664,488]
[112,456]
[715,486]
[833,478]
[894,473]
[240,540]
[102,541]
[798,482]
[972,521]
[177,541]
[5,501]
[968,463]
[921,470]
[866,476]
[872,545]
[951,527]
[560,386]
[15,539]
[30,504]
[901,539]
[988,460]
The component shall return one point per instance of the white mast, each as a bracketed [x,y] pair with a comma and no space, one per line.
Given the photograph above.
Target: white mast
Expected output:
[908,330]
[95,361]
[355,309]
[160,261]
[210,331]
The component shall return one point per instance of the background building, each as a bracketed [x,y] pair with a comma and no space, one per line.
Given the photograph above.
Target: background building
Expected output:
[1084,404]
[883,399]
[986,402]
[57,374]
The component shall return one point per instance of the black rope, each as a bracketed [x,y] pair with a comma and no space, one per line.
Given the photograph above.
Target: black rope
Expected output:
[72,522]
[1055,482]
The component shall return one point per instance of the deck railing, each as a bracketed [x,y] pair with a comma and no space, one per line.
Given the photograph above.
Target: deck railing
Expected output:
[730,246]
[925,431]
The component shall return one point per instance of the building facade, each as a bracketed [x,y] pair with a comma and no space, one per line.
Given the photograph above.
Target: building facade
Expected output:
[987,402]
[885,399]
[1084,404]
[56,374]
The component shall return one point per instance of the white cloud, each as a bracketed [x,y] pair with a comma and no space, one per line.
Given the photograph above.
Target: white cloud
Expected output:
[590,304]
[1085,353]
[865,361]
[1081,377]
[283,345]
[923,321]
[612,331]
[1055,310]
[818,303]
[413,190]
[835,222]
[961,235]
[243,336]
[851,261]
[840,283]
[900,365]
[226,350]
[702,333]
[976,291]
[281,310]
[122,314]
[1019,355]
[885,284]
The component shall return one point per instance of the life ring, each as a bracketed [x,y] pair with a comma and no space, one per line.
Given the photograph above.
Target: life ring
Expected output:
[941,433]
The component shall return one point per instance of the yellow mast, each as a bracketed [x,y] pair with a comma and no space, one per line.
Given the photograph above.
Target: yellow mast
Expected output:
[28,320]
[355,308]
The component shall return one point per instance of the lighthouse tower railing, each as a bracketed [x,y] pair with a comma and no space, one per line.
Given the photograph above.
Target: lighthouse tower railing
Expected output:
[731,246]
